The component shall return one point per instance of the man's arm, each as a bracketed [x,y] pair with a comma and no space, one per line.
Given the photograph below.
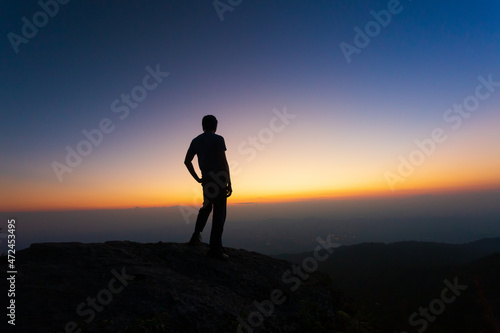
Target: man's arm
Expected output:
[229,189]
[189,165]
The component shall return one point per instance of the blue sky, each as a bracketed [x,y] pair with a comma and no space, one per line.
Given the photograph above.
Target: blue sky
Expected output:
[263,55]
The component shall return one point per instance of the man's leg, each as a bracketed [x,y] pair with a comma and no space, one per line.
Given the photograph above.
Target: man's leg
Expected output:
[218,220]
[202,218]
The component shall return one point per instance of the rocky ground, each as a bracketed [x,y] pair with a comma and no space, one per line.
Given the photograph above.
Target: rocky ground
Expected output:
[123,286]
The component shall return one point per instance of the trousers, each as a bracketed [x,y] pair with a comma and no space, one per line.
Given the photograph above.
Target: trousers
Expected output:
[214,198]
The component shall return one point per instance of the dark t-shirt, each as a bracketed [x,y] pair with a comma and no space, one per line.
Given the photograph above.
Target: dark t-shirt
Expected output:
[208,146]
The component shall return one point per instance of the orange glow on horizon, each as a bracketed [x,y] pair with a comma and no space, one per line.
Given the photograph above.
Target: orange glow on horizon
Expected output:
[125,201]
[274,175]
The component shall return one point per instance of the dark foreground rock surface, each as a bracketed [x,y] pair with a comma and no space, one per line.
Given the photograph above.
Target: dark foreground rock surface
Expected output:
[123,286]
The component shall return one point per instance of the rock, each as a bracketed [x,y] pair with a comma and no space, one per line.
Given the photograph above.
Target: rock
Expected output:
[122,286]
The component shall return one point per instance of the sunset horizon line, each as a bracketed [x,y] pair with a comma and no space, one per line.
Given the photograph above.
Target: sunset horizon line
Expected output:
[272,199]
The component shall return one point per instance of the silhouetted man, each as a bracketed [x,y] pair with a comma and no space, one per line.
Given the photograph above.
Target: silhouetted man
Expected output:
[210,149]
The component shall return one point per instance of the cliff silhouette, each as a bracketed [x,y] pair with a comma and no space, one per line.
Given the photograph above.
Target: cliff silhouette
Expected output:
[122,286]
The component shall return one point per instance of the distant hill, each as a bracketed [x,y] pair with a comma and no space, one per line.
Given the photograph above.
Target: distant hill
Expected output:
[393,281]
[123,286]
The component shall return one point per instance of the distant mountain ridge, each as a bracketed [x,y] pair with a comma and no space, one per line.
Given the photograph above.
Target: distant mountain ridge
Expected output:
[413,252]
[395,280]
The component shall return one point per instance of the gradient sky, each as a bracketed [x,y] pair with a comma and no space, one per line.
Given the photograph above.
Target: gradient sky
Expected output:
[352,122]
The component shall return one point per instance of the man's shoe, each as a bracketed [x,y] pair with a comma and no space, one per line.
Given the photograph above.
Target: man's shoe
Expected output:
[218,254]
[195,239]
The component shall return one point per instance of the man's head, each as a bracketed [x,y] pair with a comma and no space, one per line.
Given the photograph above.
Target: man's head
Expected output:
[209,123]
